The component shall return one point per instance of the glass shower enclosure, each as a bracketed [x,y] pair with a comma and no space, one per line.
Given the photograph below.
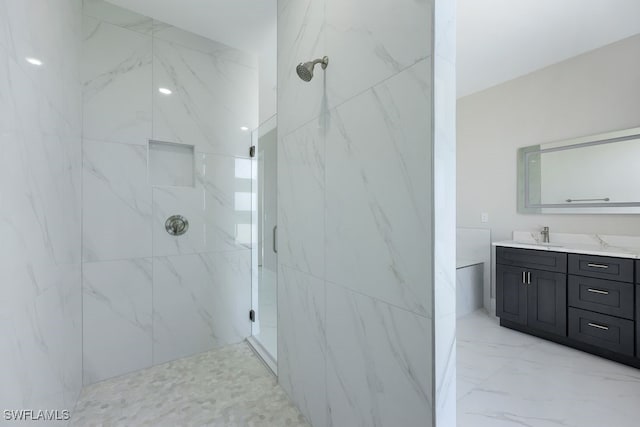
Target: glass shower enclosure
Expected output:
[264,252]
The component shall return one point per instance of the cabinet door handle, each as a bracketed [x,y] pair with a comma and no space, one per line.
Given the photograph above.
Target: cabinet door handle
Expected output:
[528,277]
[597,265]
[275,239]
[598,291]
[524,280]
[595,325]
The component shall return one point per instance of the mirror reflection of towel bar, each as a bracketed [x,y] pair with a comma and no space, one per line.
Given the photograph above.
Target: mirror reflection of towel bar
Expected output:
[606,199]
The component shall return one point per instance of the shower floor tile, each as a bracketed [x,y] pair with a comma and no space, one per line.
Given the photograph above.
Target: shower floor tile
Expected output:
[224,387]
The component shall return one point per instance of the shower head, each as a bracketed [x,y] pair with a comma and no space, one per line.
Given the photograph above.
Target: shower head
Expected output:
[305,70]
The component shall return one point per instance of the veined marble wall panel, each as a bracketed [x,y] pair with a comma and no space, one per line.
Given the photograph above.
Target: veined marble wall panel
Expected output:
[117,317]
[361,140]
[40,204]
[302,325]
[301,39]
[378,219]
[212,99]
[199,302]
[116,72]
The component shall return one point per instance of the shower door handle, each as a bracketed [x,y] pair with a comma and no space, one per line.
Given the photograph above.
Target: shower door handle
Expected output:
[275,237]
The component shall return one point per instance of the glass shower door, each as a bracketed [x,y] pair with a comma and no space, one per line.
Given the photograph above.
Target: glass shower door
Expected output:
[264,259]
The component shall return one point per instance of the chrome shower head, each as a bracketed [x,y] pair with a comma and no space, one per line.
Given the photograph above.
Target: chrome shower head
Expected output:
[305,70]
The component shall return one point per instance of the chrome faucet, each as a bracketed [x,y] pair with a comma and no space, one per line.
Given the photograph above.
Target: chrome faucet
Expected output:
[545,234]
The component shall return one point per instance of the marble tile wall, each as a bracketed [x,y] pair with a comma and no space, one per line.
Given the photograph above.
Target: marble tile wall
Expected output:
[359,262]
[171,296]
[40,204]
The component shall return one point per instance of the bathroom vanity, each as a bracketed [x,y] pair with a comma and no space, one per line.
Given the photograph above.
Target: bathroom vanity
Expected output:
[580,296]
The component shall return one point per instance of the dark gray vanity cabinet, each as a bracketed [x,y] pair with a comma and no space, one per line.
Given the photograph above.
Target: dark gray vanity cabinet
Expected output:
[585,301]
[529,296]
[601,300]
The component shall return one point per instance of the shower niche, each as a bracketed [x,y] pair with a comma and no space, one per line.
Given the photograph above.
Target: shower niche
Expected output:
[171,164]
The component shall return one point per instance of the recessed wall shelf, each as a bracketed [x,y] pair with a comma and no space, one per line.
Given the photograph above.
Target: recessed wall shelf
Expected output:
[171,164]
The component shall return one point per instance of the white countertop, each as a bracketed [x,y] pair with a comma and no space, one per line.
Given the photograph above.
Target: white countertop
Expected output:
[575,247]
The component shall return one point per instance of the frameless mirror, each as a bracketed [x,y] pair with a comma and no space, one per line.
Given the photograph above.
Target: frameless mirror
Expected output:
[595,174]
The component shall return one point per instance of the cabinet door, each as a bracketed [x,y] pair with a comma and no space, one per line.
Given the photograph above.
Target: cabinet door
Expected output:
[547,302]
[511,294]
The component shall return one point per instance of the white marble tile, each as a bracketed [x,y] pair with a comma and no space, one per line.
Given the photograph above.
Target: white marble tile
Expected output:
[117,318]
[378,214]
[218,208]
[116,75]
[551,385]
[444,226]
[193,41]
[119,16]
[227,186]
[212,99]
[27,106]
[484,348]
[40,187]
[171,164]
[379,367]
[116,202]
[301,185]
[372,41]
[48,97]
[513,379]
[41,325]
[40,211]
[302,39]
[199,302]
[184,201]
[302,342]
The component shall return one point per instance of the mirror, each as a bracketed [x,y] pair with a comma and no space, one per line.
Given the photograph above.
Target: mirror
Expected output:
[595,174]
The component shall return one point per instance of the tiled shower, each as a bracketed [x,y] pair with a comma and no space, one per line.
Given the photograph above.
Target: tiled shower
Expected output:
[150,297]
[130,121]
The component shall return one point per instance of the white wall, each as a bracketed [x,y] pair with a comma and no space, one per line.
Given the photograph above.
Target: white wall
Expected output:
[366,154]
[40,182]
[592,93]
[150,297]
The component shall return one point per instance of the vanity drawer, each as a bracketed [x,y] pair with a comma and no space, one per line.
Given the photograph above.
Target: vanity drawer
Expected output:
[602,296]
[620,269]
[531,258]
[638,271]
[600,330]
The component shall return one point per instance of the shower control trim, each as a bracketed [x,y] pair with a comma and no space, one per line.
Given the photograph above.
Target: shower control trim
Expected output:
[176,225]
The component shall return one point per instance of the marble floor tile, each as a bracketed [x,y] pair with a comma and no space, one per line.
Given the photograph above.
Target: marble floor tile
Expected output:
[506,378]
[224,387]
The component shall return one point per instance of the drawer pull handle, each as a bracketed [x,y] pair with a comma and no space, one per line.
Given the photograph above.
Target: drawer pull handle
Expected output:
[595,325]
[597,265]
[598,291]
